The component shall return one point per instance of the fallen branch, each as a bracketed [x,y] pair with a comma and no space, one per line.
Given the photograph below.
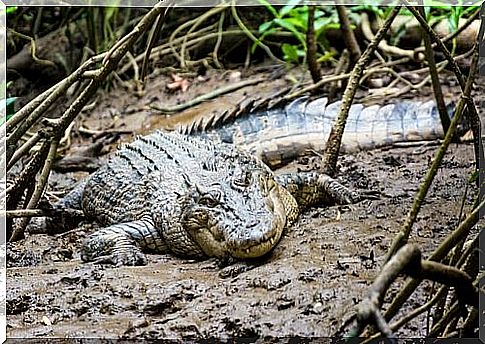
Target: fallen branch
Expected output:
[408,260]
[11,214]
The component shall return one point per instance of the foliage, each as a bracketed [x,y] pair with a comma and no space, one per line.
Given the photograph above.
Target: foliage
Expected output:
[9,103]
[294,19]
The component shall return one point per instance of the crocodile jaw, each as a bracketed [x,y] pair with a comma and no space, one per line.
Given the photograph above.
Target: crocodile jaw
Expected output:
[269,233]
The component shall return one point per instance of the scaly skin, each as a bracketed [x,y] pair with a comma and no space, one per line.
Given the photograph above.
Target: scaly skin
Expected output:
[186,195]
[200,198]
[277,136]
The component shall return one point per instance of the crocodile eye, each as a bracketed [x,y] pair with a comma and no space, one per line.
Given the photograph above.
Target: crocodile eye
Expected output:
[210,199]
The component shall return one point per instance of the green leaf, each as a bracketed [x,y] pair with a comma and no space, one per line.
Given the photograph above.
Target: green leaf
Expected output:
[297,22]
[270,8]
[10,103]
[11,9]
[290,27]
[290,52]
[265,26]
[287,8]
[473,177]
[328,56]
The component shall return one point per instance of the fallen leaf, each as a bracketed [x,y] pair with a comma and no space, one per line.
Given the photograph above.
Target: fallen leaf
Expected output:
[178,82]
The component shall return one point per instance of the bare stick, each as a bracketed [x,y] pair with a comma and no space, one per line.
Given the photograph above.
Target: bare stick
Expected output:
[452,35]
[383,46]
[335,138]
[473,117]
[65,120]
[435,80]
[219,40]
[10,214]
[348,34]
[311,44]
[28,119]
[251,36]
[408,259]
[207,96]
[451,240]
[402,237]
[18,231]
[151,41]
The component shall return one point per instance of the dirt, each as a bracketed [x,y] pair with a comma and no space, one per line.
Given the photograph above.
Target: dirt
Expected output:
[310,284]
[308,287]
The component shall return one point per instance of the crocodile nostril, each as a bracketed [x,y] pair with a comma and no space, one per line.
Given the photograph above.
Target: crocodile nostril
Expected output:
[252,223]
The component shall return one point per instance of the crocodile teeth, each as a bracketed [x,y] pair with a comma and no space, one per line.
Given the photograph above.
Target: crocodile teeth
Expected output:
[247,250]
[271,241]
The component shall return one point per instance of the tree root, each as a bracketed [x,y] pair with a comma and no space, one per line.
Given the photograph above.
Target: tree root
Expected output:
[408,260]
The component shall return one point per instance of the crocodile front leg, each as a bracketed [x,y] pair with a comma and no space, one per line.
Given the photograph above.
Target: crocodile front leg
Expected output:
[122,244]
[311,188]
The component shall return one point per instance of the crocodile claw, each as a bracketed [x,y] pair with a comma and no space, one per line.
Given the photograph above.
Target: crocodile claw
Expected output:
[127,257]
[112,246]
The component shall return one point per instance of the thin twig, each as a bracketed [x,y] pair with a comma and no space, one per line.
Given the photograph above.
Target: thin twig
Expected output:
[402,237]
[435,80]
[160,21]
[452,35]
[219,41]
[388,49]
[441,251]
[311,44]
[207,96]
[348,34]
[18,232]
[11,214]
[28,118]
[250,35]
[472,113]
[329,163]
[33,49]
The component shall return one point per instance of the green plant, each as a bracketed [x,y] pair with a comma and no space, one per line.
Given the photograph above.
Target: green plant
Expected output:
[11,9]
[9,104]
[294,19]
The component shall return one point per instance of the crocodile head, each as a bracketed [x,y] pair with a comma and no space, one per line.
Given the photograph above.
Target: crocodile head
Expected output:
[240,215]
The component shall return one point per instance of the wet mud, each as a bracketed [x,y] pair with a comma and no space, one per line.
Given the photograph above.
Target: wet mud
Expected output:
[310,284]
[308,287]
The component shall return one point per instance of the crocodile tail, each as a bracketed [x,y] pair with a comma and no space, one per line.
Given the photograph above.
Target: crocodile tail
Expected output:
[280,135]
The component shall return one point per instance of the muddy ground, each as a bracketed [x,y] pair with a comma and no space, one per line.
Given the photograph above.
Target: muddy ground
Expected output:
[311,283]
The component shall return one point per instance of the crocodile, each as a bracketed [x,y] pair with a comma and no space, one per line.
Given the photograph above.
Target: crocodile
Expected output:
[213,194]
[173,193]
[278,136]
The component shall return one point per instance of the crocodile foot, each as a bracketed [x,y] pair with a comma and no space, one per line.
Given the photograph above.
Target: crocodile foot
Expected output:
[109,246]
[122,258]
